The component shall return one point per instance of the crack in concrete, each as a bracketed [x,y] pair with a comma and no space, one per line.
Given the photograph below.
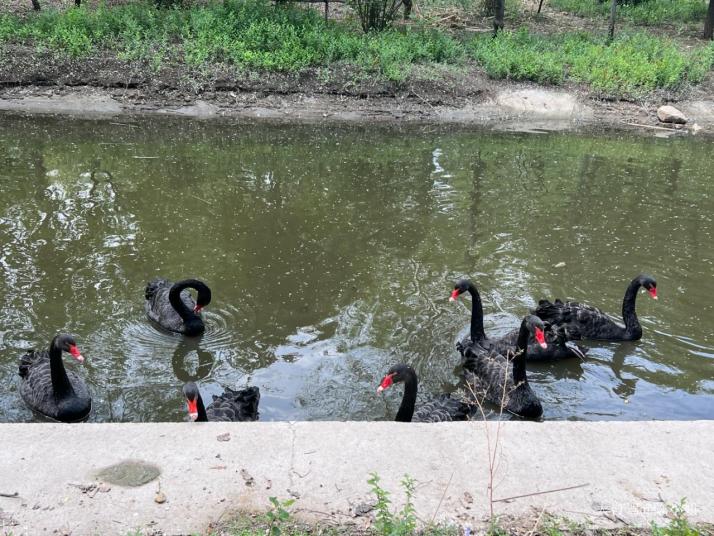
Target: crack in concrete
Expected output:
[291,425]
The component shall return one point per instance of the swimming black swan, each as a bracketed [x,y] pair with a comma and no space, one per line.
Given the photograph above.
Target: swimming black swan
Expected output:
[581,321]
[486,371]
[558,346]
[51,390]
[442,409]
[230,406]
[172,307]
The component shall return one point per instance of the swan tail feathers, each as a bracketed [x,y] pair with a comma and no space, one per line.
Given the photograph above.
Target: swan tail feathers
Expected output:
[27,361]
[153,286]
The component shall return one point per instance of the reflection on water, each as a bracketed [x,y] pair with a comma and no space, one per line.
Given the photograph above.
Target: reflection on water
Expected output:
[331,254]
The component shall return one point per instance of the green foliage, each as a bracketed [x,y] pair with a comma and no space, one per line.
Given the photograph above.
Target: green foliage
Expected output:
[679,525]
[278,514]
[647,12]
[386,522]
[247,33]
[630,66]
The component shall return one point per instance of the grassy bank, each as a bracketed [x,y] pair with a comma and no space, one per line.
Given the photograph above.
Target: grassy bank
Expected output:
[671,12]
[255,35]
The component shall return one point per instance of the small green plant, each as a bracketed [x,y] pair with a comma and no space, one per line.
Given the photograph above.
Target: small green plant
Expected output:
[277,515]
[679,525]
[386,522]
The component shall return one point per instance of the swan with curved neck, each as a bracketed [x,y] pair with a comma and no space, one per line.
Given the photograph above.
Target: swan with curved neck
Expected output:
[231,406]
[558,346]
[48,388]
[172,307]
[582,321]
[501,379]
[444,408]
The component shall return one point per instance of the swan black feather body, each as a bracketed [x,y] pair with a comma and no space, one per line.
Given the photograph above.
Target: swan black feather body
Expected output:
[581,321]
[48,388]
[501,378]
[558,347]
[231,406]
[442,409]
[172,307]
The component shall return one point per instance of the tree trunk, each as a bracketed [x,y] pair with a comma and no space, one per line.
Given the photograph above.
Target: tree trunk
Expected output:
[500,13]
[709,22]
[77,3]
[36,5]
[611,28]
[540,5]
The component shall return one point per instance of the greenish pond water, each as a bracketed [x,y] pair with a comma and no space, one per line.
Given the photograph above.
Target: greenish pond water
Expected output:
[331,253]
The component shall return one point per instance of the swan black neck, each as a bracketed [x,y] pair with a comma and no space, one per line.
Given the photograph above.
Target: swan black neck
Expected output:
[201,409]
[193,321]
[477,331]
[61,385]
[406,408]
[519,361]
[633,329]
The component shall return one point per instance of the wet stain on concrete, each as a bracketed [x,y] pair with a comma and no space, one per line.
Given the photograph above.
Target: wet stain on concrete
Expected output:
[130,473]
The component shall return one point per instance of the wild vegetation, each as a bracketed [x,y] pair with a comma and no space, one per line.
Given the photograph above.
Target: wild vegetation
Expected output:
[259,36]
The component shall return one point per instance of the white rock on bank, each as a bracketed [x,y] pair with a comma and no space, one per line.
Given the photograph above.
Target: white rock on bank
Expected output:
[670,114]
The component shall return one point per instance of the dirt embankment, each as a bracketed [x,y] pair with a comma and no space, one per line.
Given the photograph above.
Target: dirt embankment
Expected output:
[40,81]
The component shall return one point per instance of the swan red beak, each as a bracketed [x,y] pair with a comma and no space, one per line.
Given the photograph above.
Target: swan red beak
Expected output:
[197,308]
[76,354]
[540,338]
[387,381]
[192,409]
[653,292]
[454,294]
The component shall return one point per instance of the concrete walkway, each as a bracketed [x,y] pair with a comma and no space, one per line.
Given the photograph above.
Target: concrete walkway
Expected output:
[626,472]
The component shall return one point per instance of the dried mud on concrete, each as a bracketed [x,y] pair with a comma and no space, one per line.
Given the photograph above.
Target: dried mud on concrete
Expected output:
[37,81]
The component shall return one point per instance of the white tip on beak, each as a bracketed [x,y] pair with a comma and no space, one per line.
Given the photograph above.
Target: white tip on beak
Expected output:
[80,358]
[380,389]
[193,416]
[451,298]
[654,297]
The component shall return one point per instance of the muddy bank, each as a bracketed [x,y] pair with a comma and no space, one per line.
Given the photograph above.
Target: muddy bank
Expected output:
[42,82]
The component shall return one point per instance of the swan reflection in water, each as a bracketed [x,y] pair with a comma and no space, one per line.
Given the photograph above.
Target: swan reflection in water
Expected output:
[178,362]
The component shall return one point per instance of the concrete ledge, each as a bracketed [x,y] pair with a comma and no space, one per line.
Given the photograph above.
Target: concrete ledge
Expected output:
[630,470]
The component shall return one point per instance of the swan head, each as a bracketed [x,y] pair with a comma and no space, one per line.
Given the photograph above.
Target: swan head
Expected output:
[190,392]
[649,283]
[396,374]
[66,343]
[203,297]
[537,327]
[461,286]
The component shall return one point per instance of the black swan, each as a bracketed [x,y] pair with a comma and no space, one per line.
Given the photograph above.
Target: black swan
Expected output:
[442,409]
[558,347]
[172,307]
[231,406]
[490,374]
[581,321]
[51,390]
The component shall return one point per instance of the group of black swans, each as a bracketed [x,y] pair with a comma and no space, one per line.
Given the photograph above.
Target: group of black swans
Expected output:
[494,369]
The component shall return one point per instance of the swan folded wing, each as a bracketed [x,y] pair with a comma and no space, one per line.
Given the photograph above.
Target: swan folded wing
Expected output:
[488,375]
[36,385]
[235,406]
[443,409]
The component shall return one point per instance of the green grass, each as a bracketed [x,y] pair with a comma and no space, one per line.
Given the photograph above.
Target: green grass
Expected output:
[256,36]
[633,65]
[645,12]
[250,33]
